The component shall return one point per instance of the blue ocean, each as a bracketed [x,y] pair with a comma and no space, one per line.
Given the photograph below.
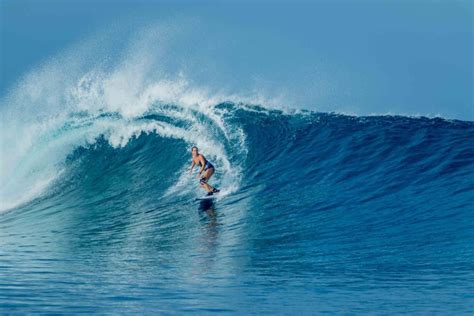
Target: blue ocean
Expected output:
[319,212]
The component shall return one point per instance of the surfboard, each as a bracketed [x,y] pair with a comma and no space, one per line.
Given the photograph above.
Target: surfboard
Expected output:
[205,198]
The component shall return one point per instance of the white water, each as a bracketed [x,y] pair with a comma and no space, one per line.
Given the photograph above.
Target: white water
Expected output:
[69,102]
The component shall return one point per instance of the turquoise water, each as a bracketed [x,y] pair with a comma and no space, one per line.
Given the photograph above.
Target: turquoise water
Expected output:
[318,213]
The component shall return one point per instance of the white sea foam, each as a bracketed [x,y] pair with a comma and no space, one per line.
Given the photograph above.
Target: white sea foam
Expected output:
[65,104]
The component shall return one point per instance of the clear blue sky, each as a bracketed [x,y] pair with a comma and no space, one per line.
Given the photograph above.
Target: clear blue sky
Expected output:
[361,57]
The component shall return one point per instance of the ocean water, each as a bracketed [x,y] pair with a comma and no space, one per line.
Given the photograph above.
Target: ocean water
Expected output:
[318,212]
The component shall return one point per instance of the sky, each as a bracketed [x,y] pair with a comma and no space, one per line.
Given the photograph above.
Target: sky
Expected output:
[354,57]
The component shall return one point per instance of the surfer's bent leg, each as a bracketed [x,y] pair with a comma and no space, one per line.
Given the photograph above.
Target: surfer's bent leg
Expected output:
[207,175]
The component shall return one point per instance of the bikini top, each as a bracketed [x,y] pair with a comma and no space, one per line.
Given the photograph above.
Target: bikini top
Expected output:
[207,164]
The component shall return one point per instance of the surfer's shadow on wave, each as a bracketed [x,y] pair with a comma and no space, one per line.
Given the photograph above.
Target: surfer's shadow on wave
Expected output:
[206,205]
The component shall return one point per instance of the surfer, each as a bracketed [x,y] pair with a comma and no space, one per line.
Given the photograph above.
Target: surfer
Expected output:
[206,167]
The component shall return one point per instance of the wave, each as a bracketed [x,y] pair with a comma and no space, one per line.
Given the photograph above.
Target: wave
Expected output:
[367,158]
[39,144]
[75,99]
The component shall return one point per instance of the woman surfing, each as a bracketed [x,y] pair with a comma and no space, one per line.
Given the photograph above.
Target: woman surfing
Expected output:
[206,167]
